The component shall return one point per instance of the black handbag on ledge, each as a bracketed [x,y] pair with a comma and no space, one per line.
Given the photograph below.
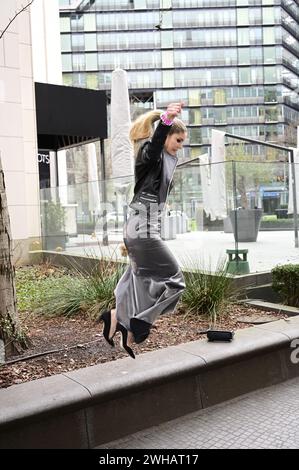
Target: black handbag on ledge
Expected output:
[220,335]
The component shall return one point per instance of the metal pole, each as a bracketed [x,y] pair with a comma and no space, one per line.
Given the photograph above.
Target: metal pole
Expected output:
[235,209]
[294,192]
[56,190]
[187,162]
[104,194]
[255,141]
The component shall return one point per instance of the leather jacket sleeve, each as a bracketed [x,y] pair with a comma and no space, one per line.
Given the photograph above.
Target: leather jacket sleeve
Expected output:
[150,152]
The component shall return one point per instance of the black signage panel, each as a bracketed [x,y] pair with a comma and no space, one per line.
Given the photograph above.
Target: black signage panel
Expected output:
[68,116]
[43,158]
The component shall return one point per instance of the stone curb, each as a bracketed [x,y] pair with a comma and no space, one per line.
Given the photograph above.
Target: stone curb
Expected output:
[88,407]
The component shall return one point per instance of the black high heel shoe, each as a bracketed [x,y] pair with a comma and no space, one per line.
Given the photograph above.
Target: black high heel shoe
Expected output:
[106,318]
[124,339]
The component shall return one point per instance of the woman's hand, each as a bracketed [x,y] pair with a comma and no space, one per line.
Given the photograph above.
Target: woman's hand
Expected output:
[173,110]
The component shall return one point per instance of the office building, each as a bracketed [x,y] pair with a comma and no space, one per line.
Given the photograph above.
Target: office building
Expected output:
[234,63]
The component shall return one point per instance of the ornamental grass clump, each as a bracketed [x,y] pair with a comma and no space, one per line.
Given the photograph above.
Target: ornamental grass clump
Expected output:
[88,290]
[207,293]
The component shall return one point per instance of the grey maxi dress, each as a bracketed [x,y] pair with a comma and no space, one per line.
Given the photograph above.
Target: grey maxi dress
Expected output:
[153,283]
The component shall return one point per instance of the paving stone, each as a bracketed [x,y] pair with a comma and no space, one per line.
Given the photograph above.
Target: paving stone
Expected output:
[266,419]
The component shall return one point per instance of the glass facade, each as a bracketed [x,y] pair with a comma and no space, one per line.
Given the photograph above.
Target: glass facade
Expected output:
[234,63]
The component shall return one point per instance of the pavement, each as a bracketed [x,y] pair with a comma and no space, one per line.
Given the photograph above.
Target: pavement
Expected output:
[91,407]
[267,419]
[204,250]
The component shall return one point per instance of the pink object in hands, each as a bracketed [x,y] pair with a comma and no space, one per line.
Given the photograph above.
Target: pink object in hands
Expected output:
[165,120]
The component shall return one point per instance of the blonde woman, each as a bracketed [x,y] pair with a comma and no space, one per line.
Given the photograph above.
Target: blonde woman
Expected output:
[153,283]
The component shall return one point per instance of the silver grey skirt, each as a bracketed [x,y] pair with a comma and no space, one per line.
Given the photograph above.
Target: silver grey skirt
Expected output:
[153,282]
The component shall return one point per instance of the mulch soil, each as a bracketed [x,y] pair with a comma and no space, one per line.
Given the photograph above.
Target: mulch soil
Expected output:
[77,342]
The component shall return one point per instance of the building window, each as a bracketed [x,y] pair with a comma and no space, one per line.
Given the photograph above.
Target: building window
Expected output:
[168,78]
[256,36]
[195,135]
[243,36]
[140,4]
[79,80]
[167,59]
[90,22]
[68,79]
[77,42]
[256,55]
[220,116]
[271,132]
[268,15]
[90,42]
[269,35]
[219,96]
[255,16]
[91,61]
[194,116]
[165,3]
[78,62]
[65,42]
[92,80]
[242,16]
[67,63]
[270,95]
[271,113]
[257,74]
[167,39]
[194,97]
[270,74]
[77,23]
[167,19]
[105,79]
[185,116]
[269,55]
[244,75]
[65,24]
[243,55]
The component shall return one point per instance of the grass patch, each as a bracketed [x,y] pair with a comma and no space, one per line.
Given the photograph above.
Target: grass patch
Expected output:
[33,282]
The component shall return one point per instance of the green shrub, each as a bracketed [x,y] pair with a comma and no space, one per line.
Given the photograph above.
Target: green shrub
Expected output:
[207,293]
[285,281]
[269,218]
[277,222]
[53,216]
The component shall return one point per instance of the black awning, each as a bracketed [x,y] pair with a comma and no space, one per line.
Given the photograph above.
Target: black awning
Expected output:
[68,116]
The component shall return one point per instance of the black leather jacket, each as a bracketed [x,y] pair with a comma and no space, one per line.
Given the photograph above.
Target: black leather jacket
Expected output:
[154,171]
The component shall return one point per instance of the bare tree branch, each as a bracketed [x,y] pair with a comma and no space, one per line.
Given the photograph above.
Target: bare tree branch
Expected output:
[17,13]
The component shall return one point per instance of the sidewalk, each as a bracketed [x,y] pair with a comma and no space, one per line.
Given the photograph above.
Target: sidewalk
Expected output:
[92,406]
[267,419]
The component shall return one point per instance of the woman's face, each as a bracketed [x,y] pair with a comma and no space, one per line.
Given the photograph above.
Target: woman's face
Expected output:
[174,142]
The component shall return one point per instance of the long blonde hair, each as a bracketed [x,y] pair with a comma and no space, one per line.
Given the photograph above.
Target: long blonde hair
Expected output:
[143,127]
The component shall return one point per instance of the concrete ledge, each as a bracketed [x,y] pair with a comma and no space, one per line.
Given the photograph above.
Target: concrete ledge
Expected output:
[65,259]
[88,407]
[271,306]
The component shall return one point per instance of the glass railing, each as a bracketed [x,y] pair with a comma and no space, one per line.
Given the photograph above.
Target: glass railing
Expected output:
[212,208]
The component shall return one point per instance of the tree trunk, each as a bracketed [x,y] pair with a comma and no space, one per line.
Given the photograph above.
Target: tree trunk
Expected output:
[14,340]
